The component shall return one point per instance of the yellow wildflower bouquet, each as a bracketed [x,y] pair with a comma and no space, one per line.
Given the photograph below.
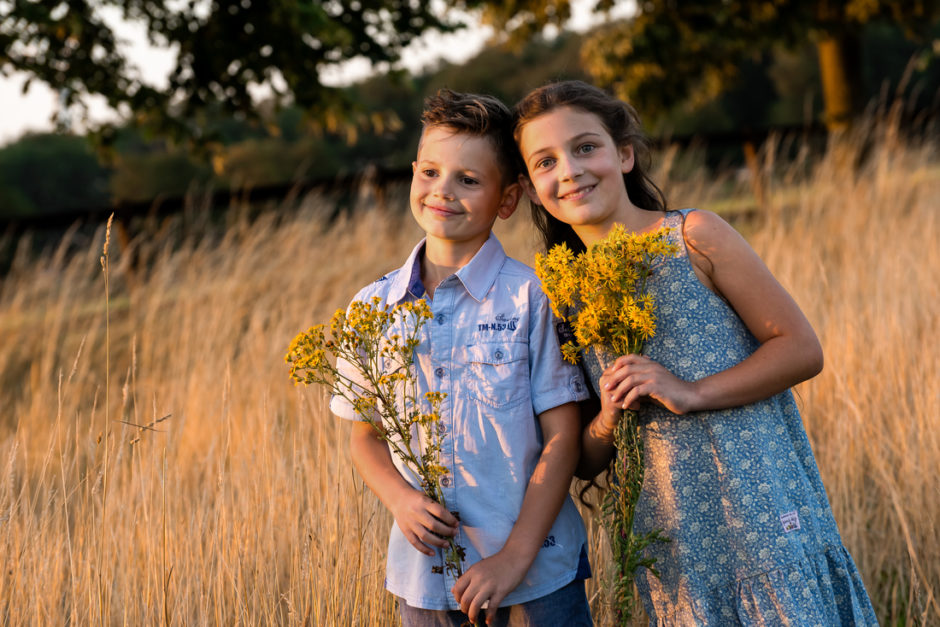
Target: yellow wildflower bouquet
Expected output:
[601,293]
[369,361]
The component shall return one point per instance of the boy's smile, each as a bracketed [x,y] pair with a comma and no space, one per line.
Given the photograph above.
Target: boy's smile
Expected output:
[458,191]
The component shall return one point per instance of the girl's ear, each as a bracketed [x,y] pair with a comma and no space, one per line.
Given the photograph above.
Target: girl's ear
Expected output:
[529,188]
[510,200]
[626,158]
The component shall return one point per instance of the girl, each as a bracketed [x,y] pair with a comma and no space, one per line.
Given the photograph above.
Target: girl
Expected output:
[729,474]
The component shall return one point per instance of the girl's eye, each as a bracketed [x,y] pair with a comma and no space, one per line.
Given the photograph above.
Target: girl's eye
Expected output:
[544,163]
[429,173]
[585,148]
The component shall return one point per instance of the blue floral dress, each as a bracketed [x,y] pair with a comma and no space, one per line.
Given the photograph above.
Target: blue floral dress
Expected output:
[753,540]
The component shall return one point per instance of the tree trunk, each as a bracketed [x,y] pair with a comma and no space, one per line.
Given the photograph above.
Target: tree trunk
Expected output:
[840,72]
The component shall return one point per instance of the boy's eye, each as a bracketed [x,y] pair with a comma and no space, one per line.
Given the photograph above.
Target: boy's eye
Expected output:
[469,181]
[429,172]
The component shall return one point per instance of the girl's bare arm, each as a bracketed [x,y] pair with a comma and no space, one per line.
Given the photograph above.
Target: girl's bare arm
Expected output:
[789,351]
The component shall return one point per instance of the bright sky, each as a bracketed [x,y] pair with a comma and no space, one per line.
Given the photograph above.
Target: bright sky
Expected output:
[36,109]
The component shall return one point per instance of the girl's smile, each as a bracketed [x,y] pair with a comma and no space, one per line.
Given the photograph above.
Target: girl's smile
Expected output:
[578,194]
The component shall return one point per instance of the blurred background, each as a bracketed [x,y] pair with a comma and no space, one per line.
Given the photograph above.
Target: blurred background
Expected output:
[156,464]
[128,103]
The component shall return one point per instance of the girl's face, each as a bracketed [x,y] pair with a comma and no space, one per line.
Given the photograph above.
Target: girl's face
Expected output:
[576,170]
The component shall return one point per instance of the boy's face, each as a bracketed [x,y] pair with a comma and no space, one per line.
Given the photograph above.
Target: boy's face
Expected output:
[457,189]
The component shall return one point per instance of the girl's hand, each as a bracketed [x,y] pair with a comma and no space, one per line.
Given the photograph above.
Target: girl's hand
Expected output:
[610,412]
[423,522]
[488,582]
[634,378]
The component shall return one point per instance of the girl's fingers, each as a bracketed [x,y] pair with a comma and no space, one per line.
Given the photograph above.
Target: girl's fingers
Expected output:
[629,382]
[633,358]
[632,399]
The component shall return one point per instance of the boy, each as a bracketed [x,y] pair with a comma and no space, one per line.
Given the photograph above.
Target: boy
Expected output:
[492,349]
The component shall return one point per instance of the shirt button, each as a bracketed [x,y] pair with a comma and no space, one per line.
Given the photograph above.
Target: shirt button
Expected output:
[441,429]
[445,481]
[440,318]
[439,373]
[498,354]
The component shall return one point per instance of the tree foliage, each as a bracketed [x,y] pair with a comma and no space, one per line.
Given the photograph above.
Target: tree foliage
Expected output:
[229,51]
[692,51]
[50,173]
[224,49]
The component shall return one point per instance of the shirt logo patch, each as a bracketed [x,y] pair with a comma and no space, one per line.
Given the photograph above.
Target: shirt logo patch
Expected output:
[501,323]
[790,521]
[564,332]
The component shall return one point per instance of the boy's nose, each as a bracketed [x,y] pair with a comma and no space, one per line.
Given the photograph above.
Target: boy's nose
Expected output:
[443,190]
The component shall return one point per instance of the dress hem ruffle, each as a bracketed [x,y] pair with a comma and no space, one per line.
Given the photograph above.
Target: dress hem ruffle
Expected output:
[823,589]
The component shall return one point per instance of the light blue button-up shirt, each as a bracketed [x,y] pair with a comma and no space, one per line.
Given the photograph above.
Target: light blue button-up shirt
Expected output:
[493,349]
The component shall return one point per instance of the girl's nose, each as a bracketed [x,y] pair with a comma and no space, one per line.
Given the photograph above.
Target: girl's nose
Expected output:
[570,168]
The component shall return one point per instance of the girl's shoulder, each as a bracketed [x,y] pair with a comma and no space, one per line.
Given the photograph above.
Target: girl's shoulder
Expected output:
[710,242]
[704,225]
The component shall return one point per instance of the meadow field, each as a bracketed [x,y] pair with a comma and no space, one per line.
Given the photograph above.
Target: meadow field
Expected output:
[158,467]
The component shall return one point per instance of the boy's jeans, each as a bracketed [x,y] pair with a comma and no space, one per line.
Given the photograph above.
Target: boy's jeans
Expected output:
[566,606]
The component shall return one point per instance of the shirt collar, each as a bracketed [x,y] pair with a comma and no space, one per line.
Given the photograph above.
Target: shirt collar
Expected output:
[408,279]
[480,272]
[477,276]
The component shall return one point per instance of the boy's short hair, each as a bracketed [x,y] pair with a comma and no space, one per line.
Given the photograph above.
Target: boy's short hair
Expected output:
[478,115]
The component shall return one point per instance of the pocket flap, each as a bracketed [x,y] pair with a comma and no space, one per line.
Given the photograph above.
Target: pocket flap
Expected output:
[496,354]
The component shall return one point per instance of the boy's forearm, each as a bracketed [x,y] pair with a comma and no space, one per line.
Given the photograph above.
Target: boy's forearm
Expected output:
[548,487]
[373,460]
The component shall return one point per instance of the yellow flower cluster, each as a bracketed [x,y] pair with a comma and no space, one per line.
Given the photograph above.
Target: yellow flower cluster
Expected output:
[375,342]
[602,291]
[602,294]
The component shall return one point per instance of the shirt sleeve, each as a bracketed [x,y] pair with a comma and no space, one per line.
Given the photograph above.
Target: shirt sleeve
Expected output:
[340,405]
[554,381]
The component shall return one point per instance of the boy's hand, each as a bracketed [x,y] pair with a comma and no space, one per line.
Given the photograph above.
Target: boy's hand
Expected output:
[418,517]
[423,522]
[489,580]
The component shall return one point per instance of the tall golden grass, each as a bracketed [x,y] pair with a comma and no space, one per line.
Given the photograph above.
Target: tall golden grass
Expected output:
[242,506]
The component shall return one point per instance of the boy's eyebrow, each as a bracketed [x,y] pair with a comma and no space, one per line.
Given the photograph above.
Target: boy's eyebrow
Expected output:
[475,171]
[573,139]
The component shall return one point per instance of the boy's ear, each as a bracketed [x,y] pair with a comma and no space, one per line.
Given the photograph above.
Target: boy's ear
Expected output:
[626,158]
[509,201]
[529,189]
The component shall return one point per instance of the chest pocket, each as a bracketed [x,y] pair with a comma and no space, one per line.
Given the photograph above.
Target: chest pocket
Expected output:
[497,374]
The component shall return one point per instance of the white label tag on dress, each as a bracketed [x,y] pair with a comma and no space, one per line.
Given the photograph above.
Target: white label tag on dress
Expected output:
[790,521]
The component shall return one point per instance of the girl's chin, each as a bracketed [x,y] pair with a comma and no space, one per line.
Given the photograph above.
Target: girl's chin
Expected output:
[576,216]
